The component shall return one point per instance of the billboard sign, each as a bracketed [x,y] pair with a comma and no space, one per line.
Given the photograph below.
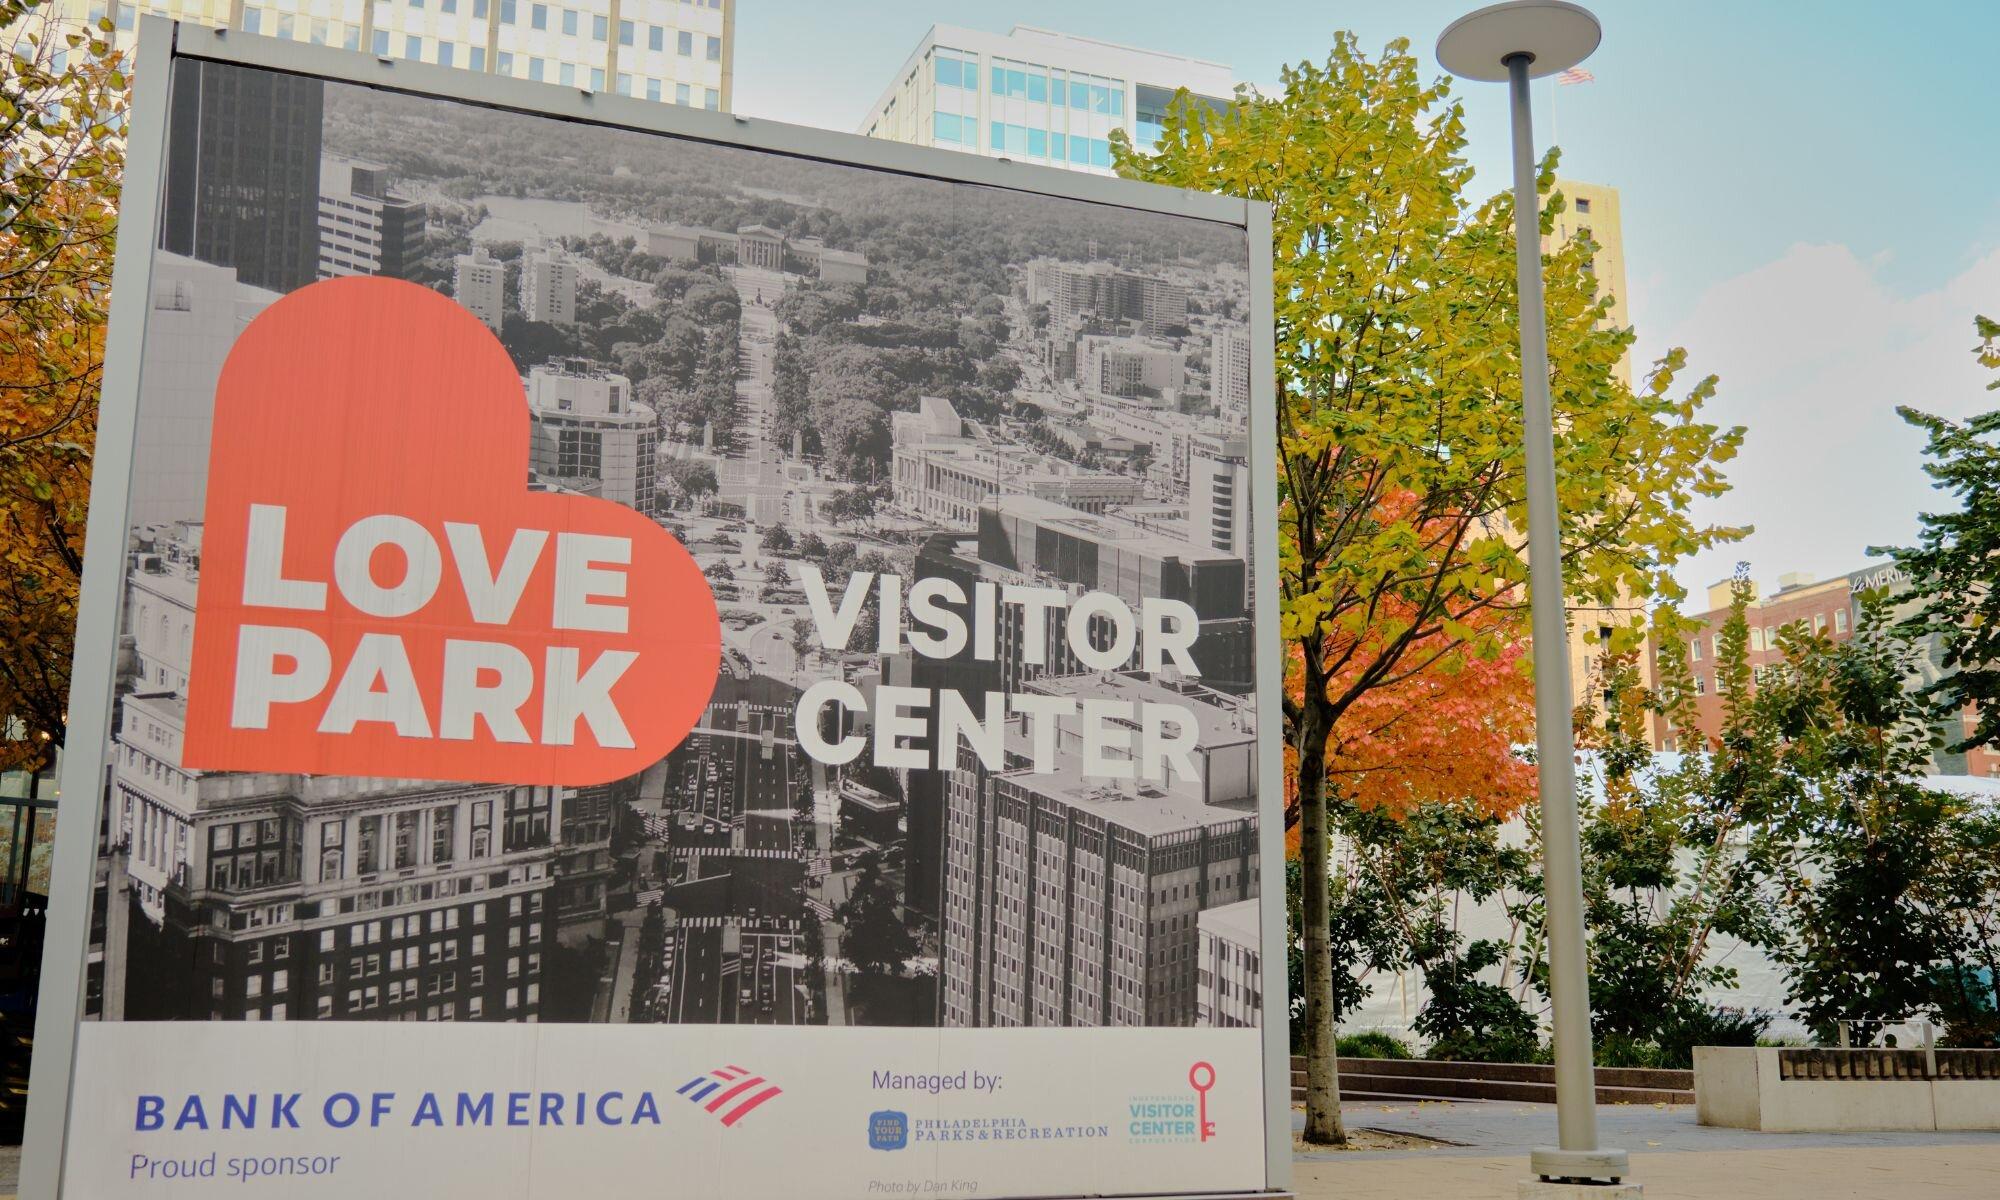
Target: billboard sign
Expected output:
[626,650]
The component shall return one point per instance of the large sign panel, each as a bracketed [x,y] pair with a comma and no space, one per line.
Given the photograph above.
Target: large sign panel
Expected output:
[651,666]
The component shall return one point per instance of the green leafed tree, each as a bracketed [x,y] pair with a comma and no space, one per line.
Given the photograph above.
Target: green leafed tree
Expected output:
[1400,473]
[1954,568]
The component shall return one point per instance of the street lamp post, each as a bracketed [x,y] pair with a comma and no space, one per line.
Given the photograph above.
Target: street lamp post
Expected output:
[1517,42]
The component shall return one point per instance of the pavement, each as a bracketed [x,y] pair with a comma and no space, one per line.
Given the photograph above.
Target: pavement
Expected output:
[1481,1154]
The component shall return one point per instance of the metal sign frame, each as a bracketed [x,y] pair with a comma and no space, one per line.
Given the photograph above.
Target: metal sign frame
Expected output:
[86,760]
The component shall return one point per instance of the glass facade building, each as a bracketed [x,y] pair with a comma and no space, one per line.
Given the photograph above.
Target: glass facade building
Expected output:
[1035,96]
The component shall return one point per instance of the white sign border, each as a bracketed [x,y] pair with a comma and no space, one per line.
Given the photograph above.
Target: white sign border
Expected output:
[160,41]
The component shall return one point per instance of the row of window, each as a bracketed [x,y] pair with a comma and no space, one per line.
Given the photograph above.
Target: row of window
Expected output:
[1766,637]
[1022,141]
[1033,83]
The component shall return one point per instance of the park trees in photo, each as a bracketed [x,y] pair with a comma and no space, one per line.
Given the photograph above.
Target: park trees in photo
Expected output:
[1401,478]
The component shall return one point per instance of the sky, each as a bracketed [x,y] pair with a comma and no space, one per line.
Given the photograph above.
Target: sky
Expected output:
[1811,203]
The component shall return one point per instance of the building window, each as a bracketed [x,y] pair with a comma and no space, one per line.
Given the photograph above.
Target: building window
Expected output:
[597,79]
[507,12]
[381,43]
[685,43]
[1700,685]
[535,69]
[503,62]
[681,95]
[626,32]
[413,48]
[1583,205]
[444,54]
[569,22]
[711,100]
[1840,620]
[476,58]
[652,89]
[600,27]
[656,37]
[538,16]
[715,49]
[252,19]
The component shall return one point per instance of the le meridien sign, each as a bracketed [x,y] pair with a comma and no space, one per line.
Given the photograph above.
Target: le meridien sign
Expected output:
[624,649]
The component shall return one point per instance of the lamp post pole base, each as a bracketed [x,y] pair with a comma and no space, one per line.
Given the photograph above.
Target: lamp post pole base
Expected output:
[1586,1168]
[1542,1189]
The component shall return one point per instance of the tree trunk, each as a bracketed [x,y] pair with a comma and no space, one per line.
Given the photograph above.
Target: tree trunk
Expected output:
[1323,1124]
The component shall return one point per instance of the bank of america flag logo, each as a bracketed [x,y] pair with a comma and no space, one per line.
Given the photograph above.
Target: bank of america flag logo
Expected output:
[731,1092]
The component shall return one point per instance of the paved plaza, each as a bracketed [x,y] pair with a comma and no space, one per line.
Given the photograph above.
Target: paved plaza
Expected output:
[1481,1154]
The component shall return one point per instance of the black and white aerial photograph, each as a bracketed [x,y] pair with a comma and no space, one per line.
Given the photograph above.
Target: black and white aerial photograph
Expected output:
[787,364]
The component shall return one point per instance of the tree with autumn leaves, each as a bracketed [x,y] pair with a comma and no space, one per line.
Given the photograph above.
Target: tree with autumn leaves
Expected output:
[1401,478]
[62,114]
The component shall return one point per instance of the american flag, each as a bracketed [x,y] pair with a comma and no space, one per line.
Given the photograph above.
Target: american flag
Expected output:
[1574,76]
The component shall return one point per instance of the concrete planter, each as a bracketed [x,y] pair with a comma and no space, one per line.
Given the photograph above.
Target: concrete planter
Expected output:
[1839,1091]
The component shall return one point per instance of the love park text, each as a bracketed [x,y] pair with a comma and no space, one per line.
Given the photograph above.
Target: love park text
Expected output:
[1120,739]
[479,681]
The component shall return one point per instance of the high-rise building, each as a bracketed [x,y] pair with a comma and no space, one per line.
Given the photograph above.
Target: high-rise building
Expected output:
[670,51]
[1033,95]
[548,287]
[242,182]
[1229,372]
[197,311]
[301,897]
[364,227]
[1100,298]
[1219,492]
[1074,901]
[1229,985]
[589,435]
[479,284]
[1593,210]
[1100,552]
[1130,368]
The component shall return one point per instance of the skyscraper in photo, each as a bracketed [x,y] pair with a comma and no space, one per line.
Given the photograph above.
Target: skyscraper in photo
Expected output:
[242,180]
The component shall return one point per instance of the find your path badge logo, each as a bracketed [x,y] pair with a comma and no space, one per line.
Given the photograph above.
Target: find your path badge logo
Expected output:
[1173,1117]
[383,595]
[888,1130]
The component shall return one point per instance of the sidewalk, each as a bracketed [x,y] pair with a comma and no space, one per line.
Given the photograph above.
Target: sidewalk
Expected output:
[1483,1154]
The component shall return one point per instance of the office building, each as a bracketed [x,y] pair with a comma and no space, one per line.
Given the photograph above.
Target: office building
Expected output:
[1101,552]
[1593,211]
[1219,493]
[242,186]
[1129,368]
[668,51]
[1075,901]
[1829,607]
[364,227]
[196,314]
[1229,980]
[479,284]
[548,287]
[1229,372]
[1100,298]
[589,435]
[1036,96]
[945,467]
[300,897]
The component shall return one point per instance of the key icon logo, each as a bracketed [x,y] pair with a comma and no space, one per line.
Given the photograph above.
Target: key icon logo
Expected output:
[1201,1077]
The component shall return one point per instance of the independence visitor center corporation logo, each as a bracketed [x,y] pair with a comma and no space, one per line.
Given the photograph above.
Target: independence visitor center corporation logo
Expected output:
[1171,1118]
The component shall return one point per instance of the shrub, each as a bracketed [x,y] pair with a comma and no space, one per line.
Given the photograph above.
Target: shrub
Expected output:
[1372,1043]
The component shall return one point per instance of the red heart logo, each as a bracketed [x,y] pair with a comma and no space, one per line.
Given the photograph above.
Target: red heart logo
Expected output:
[381,594]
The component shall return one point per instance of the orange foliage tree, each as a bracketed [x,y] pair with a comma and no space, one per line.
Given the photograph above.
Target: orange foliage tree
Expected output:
[1448,733]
